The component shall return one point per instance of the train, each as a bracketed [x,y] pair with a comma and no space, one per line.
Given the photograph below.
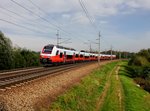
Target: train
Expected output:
[55,54]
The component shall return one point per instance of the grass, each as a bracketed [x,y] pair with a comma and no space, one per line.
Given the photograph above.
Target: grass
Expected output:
[136,99]
[114,98]
[84,96]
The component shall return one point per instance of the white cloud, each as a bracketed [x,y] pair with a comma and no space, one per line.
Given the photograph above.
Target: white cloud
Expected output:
[103,22]
[66,16]
[80,18]
[145,4]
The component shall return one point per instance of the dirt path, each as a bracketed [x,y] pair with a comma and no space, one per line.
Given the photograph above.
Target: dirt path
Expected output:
[31,96]
[113,89]
[119,91]
[104,93]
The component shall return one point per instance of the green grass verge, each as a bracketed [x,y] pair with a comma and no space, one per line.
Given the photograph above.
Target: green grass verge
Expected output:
[136,99]
[84,96]
[114,97]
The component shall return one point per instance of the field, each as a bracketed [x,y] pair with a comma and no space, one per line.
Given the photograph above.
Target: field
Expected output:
[106,89]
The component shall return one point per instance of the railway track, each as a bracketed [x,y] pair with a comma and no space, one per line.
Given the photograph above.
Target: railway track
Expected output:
[13,78]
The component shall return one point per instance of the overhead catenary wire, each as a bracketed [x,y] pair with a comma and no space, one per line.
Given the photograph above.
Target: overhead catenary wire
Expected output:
[87,14]
[39,8]
[57,27]
[27,19]
[11,22]
[24,27]
[33,12]
[44,19]
[92,23]
[89,18]
[46,13]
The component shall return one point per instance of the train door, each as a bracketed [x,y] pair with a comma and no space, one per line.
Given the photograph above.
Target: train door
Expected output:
[65,56]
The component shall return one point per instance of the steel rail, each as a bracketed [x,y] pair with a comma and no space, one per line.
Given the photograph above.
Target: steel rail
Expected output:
[24,77]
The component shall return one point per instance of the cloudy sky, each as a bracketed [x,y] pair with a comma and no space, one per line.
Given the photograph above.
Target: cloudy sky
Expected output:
[124,24]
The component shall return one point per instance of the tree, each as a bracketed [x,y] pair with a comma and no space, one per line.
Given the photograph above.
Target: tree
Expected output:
[6,57]
[18,59]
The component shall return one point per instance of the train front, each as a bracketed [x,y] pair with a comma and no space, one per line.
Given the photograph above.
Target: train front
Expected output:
[45,55]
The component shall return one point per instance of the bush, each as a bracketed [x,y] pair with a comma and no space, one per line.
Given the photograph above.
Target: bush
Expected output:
[139,68]
[140,61]
[145,84]
[15,57]
[25,58]
[31,58]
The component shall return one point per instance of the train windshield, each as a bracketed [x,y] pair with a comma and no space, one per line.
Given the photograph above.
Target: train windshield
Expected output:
[48,49]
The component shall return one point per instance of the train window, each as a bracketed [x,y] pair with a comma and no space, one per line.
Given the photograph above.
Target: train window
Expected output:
[81,56]
[57,52]
[64,53]
[86,56]
[77,55]
[69,56]
[61,54]
[48,49]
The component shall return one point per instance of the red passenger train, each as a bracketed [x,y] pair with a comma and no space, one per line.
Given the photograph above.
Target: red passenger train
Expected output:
[53,54]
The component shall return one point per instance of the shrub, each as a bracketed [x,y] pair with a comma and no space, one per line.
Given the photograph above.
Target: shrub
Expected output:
[15,57]
[145,84]
[140,61]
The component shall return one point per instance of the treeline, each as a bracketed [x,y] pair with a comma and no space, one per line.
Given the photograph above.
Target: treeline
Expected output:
[11,57]
[120,54]
[139,68]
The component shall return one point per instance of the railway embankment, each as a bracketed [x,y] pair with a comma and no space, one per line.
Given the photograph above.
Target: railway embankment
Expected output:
[39,93]
[107,89]
[89,87]
[90,94]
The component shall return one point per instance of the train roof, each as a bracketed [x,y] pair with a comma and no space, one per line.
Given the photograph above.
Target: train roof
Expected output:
[61,47]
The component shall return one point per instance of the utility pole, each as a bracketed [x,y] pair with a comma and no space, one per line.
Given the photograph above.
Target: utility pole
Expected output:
[89,43]
[99,35]
[58,37]
[111,52]
[119,54]
[90,48]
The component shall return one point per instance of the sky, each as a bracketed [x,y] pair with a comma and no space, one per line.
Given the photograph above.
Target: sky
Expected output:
[31,24]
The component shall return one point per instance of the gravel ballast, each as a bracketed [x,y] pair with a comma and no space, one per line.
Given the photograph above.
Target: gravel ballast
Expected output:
[34,95]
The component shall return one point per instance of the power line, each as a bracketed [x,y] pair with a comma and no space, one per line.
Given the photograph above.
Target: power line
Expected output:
[33,23]
[35,5]
[43,19]
[26,23]
[59,38]
[18,25]
[32,12]
[39,16]
[87,13]
[19,15]
[20,19]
